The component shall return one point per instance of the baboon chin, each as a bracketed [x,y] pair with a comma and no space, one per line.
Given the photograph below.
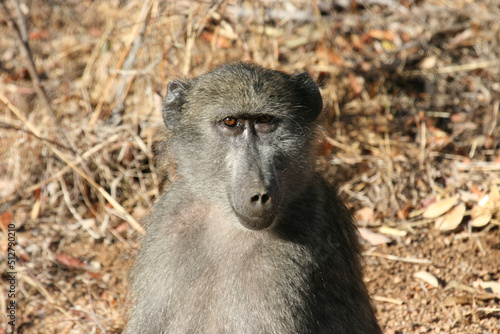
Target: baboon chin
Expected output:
[248,238]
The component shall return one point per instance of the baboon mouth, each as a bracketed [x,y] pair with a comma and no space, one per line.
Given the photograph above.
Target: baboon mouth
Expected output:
[255,223]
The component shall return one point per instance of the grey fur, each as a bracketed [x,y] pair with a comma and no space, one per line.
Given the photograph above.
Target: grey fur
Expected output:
[248,238]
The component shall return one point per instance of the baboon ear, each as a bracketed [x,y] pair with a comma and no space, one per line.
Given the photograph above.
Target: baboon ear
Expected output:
[309,94]
[174,101]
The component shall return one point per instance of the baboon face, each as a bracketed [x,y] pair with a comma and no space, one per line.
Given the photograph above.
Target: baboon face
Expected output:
[243,134]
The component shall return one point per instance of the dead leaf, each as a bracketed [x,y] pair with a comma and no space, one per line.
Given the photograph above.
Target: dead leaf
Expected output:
[438,208]
[480,219]
[458,117]
[494,193]
[5,219]
[94,275]
[468,196]
[35,211]
[388,300]
[373,238]
[439,137]
[427,63]
[123,227]
[489,286]
[427,277]
[221,42]
[294,43]
[392,231]
[462,37]
[20,74]
[365,216]
[452,219]
[388,46]
[381,34]
[356,87]
[328,55]
[460,286]
[484,201]
[69,261]
[39,34]
[403,213]
[457,300]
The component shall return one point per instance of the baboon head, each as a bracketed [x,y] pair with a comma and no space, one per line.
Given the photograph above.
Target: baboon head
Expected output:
[241,136]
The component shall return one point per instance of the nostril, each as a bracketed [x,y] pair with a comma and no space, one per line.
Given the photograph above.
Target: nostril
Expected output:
[255,198]
[265,198]
[260,198]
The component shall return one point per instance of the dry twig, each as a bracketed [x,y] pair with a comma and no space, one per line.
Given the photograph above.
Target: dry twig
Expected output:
[397,258]
[131,220]
[22,34]
[127,58]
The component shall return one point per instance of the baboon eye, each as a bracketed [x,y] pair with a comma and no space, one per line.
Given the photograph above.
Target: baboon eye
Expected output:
[264,119]
[230,122]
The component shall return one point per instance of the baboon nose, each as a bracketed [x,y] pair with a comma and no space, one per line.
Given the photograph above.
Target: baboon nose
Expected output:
[261,202]
[256,209]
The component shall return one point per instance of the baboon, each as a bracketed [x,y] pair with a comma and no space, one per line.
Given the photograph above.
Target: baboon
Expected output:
[249,238]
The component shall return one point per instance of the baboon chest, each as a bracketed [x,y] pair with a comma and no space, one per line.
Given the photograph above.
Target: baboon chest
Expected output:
[239,281]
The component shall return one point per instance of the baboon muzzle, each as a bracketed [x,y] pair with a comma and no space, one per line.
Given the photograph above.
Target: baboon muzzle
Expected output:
[255,200]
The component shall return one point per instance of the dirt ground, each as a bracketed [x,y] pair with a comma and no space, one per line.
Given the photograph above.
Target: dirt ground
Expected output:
[411,136]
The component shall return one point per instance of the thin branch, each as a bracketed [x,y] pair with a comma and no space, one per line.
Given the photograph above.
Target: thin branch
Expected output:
[22,40]
[53,142]
[129,62]
[142,17]
[21,22]
[131,220]
[398,258]
[454,68]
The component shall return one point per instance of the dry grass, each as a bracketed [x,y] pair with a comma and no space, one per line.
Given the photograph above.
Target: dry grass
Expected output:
[412,116]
